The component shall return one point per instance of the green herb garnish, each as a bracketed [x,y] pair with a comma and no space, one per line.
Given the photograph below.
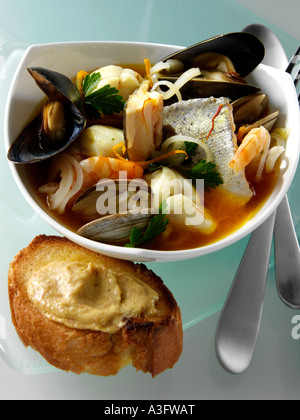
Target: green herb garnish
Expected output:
[207,171]
[152,167]
[190,148]
[90,83]
[156,226]
[106,99]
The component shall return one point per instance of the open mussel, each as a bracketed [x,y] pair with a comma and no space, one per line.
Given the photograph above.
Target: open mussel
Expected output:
[204,88]
[245,51]
[59,124]
[223,61]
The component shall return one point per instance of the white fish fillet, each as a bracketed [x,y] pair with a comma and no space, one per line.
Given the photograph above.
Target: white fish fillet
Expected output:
[143,123]
[194,118]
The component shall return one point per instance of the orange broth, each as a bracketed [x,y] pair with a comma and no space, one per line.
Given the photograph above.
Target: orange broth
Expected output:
[225,211]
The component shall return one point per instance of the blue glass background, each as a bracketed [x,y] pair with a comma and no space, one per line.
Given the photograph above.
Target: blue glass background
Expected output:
[200,285]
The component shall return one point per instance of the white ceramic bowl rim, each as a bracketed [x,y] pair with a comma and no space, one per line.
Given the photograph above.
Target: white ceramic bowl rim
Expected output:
[139,254]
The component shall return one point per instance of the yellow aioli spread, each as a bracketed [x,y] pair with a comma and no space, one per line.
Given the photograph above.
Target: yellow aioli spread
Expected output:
[87,296]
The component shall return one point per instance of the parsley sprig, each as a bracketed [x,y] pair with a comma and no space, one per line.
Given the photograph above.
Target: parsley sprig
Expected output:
[207,171]
[203,170]
[106,99]
[156,226]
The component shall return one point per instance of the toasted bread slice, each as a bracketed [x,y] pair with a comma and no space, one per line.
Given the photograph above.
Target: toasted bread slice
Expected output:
[150,344]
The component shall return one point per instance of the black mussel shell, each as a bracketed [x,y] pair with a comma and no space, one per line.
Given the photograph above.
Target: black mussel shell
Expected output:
[245,50]
[32,145]
[57,86]
[201,88]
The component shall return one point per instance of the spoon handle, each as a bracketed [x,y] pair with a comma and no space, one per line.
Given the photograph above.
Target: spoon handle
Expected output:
[240,319]
[287,261]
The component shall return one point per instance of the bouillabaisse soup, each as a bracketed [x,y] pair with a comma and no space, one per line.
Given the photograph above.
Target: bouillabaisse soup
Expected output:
[153,167]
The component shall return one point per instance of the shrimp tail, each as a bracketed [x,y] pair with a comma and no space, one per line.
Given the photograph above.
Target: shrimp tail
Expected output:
[255,142]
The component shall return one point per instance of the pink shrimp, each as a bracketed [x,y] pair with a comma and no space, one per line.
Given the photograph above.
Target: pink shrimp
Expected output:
[96,168]
[255,142]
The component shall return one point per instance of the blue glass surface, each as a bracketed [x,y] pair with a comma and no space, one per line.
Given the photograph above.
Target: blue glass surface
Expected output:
[200,285]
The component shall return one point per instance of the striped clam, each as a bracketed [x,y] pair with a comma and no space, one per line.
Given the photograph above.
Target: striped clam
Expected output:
[112,207]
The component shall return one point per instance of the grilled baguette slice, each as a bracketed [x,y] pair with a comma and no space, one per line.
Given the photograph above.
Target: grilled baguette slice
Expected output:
[151,345]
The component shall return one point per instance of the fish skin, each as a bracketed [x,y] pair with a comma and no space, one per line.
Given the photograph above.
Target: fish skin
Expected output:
[194,118]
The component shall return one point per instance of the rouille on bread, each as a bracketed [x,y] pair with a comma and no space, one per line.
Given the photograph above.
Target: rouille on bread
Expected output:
[86,312]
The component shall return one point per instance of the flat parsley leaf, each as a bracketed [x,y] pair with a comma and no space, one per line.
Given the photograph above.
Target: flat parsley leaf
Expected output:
[156,226]
[190,148]
[207,171]
[106,99]
[90,83]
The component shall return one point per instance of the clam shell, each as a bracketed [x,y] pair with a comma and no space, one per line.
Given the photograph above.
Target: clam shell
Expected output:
[86,203]
[115,228]
[250,108]
[267,122]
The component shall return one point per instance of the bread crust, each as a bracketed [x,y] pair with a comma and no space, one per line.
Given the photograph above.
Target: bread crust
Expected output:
[151,345]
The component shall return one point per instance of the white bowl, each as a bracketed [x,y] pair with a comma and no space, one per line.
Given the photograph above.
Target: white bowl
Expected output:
[69,57]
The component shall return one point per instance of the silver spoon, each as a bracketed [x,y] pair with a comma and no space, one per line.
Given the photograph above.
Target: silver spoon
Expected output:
[287,253]
[240,318]
[275,55]
[287,257]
